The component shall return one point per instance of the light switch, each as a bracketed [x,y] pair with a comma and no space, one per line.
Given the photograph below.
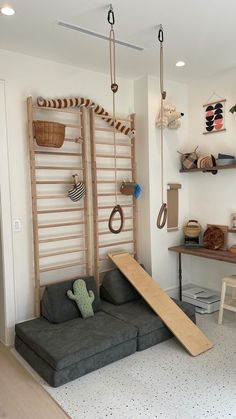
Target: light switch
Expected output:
[17,225]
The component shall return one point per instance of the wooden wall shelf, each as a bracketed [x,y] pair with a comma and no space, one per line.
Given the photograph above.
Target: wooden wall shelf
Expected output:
[210,170]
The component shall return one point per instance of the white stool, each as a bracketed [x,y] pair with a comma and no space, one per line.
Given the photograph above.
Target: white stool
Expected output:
[229,281]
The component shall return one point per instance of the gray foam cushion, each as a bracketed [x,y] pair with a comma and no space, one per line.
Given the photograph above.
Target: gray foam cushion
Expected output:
[139,314]
[116,289]
[64,344]
[58,377]
[56,307]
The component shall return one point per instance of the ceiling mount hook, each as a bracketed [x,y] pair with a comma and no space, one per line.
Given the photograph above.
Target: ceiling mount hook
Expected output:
[111,15]
[160,34]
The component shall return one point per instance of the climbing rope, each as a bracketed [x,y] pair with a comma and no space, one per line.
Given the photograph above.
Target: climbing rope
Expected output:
[114,88]
[162,215]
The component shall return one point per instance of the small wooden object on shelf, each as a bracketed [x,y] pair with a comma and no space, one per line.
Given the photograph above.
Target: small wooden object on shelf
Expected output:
[213,238]
[224,229]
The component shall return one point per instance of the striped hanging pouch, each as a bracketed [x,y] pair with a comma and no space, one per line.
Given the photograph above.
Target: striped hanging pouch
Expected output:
[78,190]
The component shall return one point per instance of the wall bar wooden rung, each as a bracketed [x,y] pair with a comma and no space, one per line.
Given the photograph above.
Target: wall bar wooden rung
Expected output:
[120,144]
[61,252]
[55,210]
[117,118]
[102,259]
[118,169]
[108,194]
[59,168]
[73,126]
[74,140]
[58,153]
[104,220]
[65,266]
[111,206]
[74,216]
[66,224]
[106,181]
[65,110]
[108,156]
[45,284]
[125,230]
[61,238]
[104,129]
[54,182]
[52,196]
[115,244]
[111,181]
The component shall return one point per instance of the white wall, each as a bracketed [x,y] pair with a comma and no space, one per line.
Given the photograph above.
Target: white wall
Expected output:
[142,160]
[164,263]
[2,297]
[212,198]
[27,76]
[161,263]
[7,289]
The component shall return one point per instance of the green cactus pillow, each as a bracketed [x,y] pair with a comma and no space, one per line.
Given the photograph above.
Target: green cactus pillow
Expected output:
[82,297]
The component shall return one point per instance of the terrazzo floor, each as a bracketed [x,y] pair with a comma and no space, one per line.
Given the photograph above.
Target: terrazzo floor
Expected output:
[161,382]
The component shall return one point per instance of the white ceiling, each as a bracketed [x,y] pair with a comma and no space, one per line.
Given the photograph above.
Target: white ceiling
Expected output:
[200,32]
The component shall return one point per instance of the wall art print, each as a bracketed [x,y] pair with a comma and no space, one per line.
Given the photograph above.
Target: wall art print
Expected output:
[214,117]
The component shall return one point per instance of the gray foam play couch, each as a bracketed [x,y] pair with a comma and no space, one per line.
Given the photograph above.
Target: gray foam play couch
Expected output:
[61,346]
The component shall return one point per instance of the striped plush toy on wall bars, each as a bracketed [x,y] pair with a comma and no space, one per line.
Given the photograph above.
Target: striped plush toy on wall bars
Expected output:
[99,110]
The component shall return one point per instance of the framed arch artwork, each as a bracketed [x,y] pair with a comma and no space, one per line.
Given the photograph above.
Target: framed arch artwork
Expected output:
[214,117]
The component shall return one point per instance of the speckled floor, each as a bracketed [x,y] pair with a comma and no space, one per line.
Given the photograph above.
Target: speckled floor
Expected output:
[161,382]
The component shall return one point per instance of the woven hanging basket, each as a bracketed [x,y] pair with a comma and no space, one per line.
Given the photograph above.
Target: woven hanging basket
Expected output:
[49,134]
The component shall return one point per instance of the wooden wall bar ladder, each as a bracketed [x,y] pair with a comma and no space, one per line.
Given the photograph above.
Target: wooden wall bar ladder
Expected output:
[73,215]
[103,163]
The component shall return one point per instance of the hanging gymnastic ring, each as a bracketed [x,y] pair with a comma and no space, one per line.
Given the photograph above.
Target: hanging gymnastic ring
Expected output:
[116,209]
[162,216]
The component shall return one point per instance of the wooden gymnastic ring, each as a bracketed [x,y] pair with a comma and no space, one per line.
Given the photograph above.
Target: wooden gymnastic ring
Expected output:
[162,216]
[116,209]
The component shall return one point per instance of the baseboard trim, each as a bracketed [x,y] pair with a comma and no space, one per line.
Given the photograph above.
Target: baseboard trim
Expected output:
[173,292]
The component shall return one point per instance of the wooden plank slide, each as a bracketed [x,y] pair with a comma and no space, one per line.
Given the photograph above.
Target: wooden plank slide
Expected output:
[174,318]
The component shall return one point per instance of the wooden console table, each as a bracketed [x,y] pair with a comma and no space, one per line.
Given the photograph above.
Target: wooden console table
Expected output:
[223,255]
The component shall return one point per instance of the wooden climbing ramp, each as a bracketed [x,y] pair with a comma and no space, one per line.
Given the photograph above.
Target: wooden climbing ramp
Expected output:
[174,318]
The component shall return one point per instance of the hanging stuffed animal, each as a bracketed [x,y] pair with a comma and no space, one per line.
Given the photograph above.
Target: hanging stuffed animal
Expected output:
[79,101]
[171,118]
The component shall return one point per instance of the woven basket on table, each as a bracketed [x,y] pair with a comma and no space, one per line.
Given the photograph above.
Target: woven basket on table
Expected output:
[49,134]
[192,229]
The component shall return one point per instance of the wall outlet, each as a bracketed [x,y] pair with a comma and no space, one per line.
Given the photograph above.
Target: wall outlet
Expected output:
[17,225]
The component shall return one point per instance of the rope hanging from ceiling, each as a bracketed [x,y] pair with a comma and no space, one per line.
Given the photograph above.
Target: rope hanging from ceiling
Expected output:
[162,215]
[114,88]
